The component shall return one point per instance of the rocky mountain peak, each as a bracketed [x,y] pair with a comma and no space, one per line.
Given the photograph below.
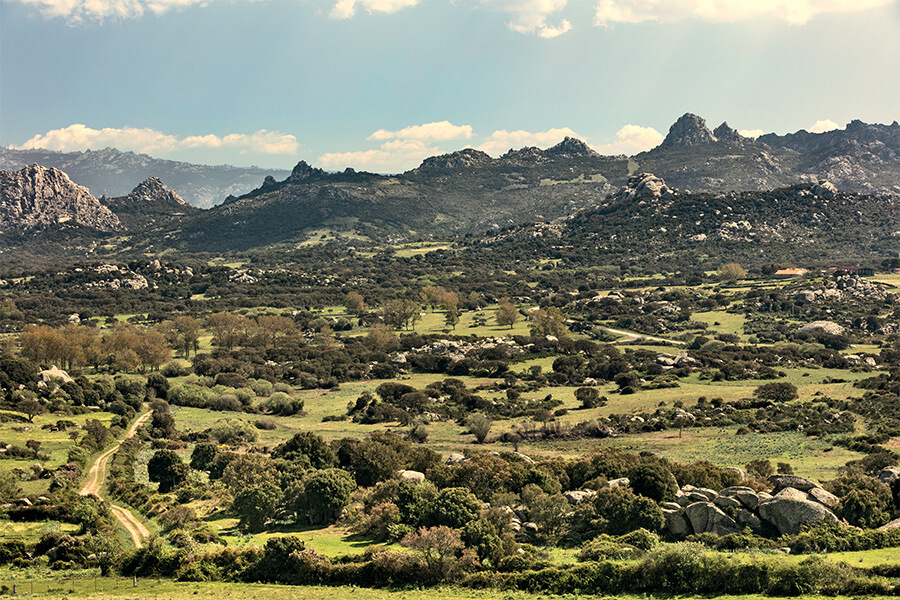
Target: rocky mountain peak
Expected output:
[37,197]
[153,190]
[724,133]
[689,130]
[304,172]
[570,148]
[462,159]
[528,154]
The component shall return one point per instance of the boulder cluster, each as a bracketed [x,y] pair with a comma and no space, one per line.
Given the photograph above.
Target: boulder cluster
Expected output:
[792,503]
[844,288]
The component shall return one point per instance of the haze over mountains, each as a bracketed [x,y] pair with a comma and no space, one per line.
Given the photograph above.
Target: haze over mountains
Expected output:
[462,192]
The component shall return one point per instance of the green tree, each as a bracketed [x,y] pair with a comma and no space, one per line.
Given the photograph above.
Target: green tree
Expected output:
[761,468]
[588,397]
[440,547]
[325,494]
[308,448]
[32,407]
[623,511]
[254,504]
[400,313]
[654,482]
[453,507]
[166,468]
[777,391]
[863,508]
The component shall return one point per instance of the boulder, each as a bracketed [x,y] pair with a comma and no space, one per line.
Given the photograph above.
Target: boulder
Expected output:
[823,496]
[727,502]
[733,490]
[676,524]
[793,494]
[789,515]
[671,505]
[577,497]
[748,499]
[779,482]
[414,476]
[620,482]
[895,524]
[740,473]
[710,494]
[748,519]
[455,458]
[707,517]
[889,474]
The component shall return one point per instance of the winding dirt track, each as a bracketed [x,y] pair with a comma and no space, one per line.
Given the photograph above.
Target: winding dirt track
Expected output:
[633,337]
[97,475]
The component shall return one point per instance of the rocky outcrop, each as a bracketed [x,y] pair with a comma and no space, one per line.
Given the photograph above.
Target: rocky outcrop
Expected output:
[38,198]
[796,502]
[645,187]
[724,133]
[570,148]
[302,172]
[689,130]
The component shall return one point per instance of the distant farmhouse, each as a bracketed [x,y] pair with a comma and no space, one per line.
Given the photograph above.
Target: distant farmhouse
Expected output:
[788,273]
[861,271]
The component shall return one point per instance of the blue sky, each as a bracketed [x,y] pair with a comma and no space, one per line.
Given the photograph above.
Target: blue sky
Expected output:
[381,84]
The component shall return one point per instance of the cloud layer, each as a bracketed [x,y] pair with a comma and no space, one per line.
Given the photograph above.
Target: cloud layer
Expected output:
[795,12]
[532,17]
[148,141]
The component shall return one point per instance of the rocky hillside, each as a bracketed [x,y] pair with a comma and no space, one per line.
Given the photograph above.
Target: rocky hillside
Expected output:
[110,172]
[648,219]
[149,204]
[38,198]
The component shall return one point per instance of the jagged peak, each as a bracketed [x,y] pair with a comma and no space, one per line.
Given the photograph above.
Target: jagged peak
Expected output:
[724,133]
[645,186]
[153,189]
[688,130]
[303,171]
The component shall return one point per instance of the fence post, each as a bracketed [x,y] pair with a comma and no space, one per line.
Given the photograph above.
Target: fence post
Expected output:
[134,581]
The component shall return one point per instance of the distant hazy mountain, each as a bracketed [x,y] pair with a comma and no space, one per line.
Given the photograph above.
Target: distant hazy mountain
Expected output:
[112,173]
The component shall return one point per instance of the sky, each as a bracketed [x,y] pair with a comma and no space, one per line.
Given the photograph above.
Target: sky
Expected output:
[379,85]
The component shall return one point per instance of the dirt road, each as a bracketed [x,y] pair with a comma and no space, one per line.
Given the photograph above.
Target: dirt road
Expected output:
[97,475]
[631,336]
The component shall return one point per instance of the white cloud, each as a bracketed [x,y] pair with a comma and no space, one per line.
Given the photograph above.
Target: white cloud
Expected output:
[438,131]
[392,157]
[344,9]
[531,16]
[751,133]
[796,12]
[81,11]
[148,141]
[630,140]
[824,125]
[501,140]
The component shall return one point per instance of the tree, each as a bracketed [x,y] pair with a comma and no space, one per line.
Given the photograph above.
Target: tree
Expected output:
[382,338]
[863,508]
[625,512]
[450,304]
[249,469]
[479,425]
[254,504]
[400,313]
[32,407]
[760,468]
[307,447]
[276,328]
[778,391]
[453,507]
[188,333]
[325,494]
[654,482]
[507,313]
[548,321]
[440,547]
[228,329]
[355,304]
[165,467]
[731,272]
[588,397]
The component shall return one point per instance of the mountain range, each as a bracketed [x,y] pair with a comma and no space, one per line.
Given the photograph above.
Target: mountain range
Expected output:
[468,191]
